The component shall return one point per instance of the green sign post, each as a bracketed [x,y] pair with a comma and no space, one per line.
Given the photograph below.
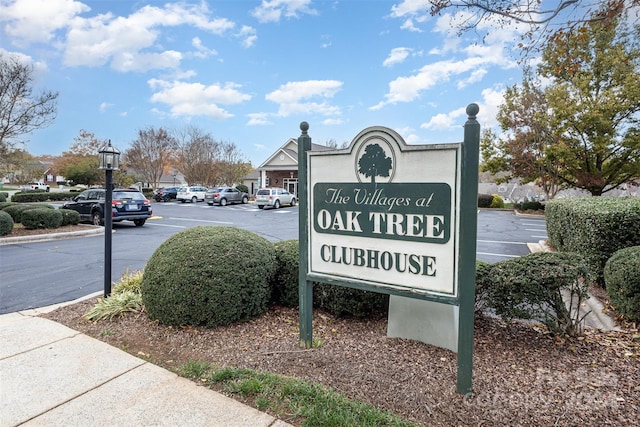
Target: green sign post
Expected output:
[388,217]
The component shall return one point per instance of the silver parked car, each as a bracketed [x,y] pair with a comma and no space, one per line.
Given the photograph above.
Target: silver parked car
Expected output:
[191,194]
[274,197]
[225,195]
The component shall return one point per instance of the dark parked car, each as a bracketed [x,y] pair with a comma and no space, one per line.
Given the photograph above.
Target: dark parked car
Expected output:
[225,195]
[165,194]
[126,205]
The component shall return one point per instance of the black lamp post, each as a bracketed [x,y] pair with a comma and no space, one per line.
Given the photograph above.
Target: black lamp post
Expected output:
[109,160]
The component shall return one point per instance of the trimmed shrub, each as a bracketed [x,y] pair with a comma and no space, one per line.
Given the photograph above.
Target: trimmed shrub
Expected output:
[16,212]
[496,202]
[148,193]
[483,285]
[243,188]
[3,197]
[531,206]
[622,279]
[285,282]
[595,227]
[484,200]
[531,287]
[6,223]
[349,302]
[209,276]
[41,218]
[5,204]
[69,217]
[41,196]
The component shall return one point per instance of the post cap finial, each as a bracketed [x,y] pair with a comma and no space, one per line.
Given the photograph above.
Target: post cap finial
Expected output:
[472,110]
[304,127]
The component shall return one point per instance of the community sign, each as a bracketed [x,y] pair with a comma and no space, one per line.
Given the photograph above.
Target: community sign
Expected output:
[384,214]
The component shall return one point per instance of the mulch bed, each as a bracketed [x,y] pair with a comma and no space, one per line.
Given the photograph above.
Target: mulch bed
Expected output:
[523,376]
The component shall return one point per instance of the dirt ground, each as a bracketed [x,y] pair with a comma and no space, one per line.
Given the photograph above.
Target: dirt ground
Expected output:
[522,376]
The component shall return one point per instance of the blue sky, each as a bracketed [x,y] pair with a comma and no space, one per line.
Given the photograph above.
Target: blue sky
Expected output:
[249,72]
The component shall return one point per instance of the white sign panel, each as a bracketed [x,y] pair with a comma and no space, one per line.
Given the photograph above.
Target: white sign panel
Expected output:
[386,214]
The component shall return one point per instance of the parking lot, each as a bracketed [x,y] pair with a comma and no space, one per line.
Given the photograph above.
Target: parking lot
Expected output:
[43,273]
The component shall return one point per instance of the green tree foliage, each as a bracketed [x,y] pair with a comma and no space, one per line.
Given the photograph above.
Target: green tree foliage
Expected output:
[374,162]
[581,130]
[595,98]
[151,153]
[527,149]
[80,163]
[21,111]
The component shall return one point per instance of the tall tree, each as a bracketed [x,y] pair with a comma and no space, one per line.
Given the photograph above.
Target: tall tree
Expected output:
[18,166]
[151,153]
[197,156]
[21,110]
[232,166]
[80,163]
[527,150]
[595,98]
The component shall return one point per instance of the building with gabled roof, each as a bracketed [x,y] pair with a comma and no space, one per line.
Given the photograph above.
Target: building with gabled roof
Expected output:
[280,170]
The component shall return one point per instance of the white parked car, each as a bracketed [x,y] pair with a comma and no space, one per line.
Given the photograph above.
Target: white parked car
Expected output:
[274,197]
[191,194]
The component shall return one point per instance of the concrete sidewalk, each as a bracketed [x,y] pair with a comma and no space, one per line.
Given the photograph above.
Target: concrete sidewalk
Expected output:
[51,375]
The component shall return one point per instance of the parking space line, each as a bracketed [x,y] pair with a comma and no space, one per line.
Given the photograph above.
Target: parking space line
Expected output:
[498,255]
[201,220]
[166,225]
[500,241]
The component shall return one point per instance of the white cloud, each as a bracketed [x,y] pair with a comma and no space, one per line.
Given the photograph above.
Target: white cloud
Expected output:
[275,10]
[196,99]
[332,122]
[36,21]
[443,121]
[407,89]
[127,43]
[290,97]
[248,36]
[397,56]
[104,106]
[492,98]
[256,119]
[201,50]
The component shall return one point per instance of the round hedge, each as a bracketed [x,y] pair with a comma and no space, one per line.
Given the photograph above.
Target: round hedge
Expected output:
[209,276]
[69,217]
[6,223]
[285,281]
[622,280]
[15,211]
[33,219]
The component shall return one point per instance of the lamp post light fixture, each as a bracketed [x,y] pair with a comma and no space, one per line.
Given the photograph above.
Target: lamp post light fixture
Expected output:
[108,160]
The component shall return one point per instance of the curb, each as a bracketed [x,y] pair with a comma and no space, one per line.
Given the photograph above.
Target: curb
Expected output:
[50,236]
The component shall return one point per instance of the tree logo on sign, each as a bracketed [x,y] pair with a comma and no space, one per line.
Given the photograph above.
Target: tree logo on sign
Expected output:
[375,162]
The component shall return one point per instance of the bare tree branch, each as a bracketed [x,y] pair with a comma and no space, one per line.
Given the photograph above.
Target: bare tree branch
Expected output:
[21,112]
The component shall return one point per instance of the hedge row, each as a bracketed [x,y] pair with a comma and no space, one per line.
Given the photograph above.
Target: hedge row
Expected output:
[595,227]
[34,215]
[41,196]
